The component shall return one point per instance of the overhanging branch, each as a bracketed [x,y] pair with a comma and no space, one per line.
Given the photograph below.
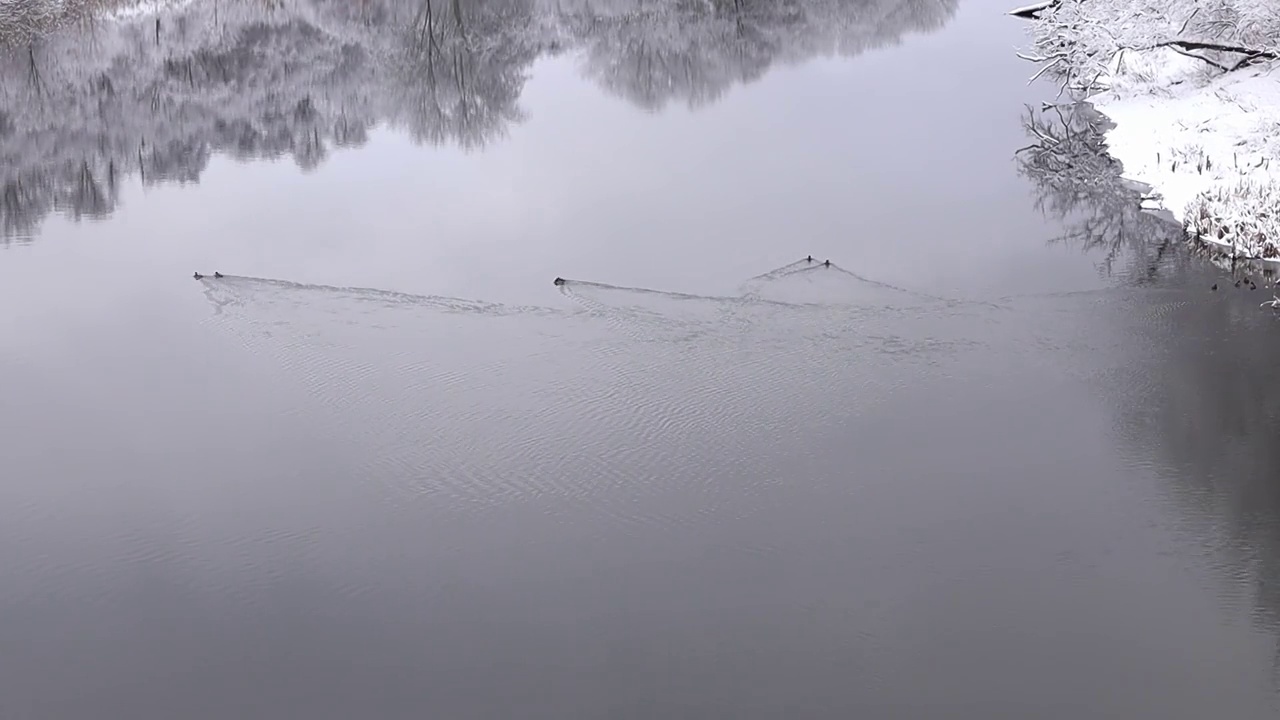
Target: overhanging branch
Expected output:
[1252,53]
[1032,12]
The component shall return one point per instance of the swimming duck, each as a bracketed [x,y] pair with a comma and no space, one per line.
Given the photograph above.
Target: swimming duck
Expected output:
[217,274]
[1238,283]
[1215,287]
[1252,286]
[196,275]
[559,281]
[827,264]
[809,259]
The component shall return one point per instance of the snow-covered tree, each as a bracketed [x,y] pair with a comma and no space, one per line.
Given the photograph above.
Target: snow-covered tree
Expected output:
[1205,131]
[1090,41]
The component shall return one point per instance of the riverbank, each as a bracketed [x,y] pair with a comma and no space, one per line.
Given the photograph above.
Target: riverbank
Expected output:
[1194,95]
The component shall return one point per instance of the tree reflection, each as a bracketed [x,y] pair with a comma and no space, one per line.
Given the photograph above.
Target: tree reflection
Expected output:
[1198,403]
[652,53]
[462,69]
[1077,182]
[85,103]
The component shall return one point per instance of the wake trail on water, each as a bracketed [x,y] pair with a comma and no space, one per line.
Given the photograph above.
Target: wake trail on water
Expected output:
[232,288]
[633,408]
[752,291]
[627,409]
[806,265]
[439,397]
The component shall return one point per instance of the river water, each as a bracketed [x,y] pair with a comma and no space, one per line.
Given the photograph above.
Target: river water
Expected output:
[1007,456]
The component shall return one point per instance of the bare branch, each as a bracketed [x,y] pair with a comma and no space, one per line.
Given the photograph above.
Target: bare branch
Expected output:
[1201,58]
[1217,47]
[1048,66]
[1190,17]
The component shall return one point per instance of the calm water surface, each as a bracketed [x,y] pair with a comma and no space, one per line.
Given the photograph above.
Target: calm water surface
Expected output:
[1008,457]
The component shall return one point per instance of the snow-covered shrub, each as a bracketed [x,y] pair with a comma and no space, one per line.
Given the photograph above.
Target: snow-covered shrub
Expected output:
[1096,43]
[1201,126]
[1245,216]
[1248,23]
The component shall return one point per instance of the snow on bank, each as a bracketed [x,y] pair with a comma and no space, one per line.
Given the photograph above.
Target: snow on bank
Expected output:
[1210,151]
[1207,141]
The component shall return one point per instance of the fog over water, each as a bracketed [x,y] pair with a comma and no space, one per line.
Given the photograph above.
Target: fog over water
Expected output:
[1005,455]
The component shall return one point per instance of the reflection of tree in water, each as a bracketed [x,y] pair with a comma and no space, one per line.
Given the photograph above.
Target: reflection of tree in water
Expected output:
[695,50]
[463,70]
[158,96]
[1078,182]
[1201,404]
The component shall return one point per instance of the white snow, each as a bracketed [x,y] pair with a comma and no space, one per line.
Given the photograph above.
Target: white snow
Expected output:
[1207,142]
[1028,10]
[1191,137]
[1204,146]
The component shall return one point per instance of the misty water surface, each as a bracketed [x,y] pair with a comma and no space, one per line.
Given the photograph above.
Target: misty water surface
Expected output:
[1007,456]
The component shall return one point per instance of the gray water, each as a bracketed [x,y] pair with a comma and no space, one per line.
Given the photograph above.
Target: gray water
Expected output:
[1007,457]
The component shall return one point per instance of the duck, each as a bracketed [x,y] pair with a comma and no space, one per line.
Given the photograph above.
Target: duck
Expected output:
[1252,286]
[1238,283]
[560,281]
[827,263]
[217,274]
[809,258]
[196,275]
[1215,287]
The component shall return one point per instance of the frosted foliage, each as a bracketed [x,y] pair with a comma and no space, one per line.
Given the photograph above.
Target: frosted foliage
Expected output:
[1245,217]
[1092,42]
[1191,86]
[92,91]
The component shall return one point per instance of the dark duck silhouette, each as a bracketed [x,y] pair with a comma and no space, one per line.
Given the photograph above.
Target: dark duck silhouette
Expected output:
[560,281]
[196,275]
[1215,287]
[809,258]
[827,263]
[217,274]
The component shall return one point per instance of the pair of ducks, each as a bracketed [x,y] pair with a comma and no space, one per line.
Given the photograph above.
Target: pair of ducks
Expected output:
[825,263]
[198,276]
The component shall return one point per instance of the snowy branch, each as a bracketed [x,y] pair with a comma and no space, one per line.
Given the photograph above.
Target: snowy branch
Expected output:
[1253,53]
[1225,35]
[1032,12]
